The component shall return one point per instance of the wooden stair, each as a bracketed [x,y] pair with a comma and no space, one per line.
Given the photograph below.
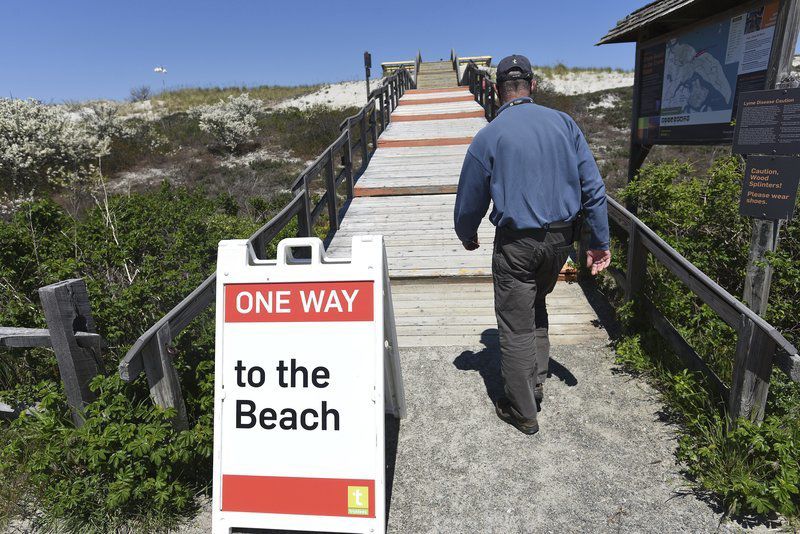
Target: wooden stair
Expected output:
[436,75]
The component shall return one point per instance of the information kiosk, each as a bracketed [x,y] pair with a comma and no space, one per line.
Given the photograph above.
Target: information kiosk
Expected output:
[306,367]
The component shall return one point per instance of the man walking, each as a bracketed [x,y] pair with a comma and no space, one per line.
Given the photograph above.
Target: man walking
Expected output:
[535,165]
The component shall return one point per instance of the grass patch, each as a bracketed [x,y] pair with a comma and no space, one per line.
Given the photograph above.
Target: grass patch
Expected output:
[560,69]
[306,133]
[182,99]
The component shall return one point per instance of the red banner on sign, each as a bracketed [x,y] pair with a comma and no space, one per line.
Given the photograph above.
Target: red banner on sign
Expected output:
[300,496]
[299,302]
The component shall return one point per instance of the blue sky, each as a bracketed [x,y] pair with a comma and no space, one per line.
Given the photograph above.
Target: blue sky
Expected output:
[79,49]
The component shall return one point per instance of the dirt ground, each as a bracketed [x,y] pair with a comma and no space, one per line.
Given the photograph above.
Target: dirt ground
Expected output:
[602,462]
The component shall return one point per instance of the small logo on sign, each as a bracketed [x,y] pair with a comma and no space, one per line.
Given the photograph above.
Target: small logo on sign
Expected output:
[358,500]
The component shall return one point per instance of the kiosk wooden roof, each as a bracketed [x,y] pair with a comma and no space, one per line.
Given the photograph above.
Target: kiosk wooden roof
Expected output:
[664,16]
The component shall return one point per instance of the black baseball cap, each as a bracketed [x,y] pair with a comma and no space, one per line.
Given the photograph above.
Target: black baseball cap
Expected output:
[514,67]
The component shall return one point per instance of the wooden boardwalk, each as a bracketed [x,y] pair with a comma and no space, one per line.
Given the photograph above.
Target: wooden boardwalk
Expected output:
[442,293]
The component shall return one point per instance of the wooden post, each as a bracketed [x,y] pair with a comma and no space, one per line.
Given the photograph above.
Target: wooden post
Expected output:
[754,352]
[637,151]
[367,67]
[636,269]
[347,161]
[763,240]
[492,107]
[165,388]
[304,227]
[330,179]
[752,368]
[363,143]
[373,128]
[67,311]
[383,117]
[765,234]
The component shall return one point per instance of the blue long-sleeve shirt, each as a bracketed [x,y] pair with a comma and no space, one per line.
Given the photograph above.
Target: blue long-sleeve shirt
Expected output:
[534,163]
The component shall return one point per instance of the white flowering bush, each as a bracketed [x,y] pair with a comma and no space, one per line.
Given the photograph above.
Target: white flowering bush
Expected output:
[46,145]
[232,122]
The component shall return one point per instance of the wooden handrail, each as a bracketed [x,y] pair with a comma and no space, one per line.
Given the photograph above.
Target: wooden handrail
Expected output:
[154,343]
[759,343]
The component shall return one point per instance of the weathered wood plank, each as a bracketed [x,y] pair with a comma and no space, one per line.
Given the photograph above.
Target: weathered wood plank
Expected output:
[427,319]
[564,312]
[67,310]
[162,378]
[457,107]
[14,337]
[439,116]
[460,97]
[432,129]
[412,95]
[473,341]
[410,92]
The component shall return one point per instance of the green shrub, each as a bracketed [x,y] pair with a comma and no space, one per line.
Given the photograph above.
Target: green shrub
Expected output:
[126,465]
[306,133]
[748,468]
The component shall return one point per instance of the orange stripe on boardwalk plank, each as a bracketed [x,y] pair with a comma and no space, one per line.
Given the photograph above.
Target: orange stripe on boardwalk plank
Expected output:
[431,91]
[443,100]
[404,191]
[438,116]
[440,141]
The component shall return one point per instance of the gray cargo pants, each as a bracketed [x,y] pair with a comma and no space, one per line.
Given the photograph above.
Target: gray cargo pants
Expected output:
[525,268]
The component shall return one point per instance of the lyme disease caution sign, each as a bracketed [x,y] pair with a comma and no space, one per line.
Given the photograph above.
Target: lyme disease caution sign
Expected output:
[303,368]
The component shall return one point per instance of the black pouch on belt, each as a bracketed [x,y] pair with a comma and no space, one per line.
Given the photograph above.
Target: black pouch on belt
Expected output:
[577,227]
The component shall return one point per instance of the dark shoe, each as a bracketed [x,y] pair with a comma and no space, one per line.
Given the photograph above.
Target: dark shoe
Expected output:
[538,392]
[506,412]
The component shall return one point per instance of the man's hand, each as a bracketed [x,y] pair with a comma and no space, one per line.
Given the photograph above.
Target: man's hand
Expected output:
[597,260]
[472,244]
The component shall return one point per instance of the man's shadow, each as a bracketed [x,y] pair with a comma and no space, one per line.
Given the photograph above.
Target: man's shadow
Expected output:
[487,363]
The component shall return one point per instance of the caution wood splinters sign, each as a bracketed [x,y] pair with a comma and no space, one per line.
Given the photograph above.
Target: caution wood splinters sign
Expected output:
[305,369]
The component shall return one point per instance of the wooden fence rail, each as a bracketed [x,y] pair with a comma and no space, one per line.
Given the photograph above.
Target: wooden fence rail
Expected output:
[152,354]
[759,345]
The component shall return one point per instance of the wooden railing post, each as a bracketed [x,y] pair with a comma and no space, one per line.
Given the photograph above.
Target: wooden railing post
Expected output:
[383,118]
[636,269]
[162,378]
[752,368]
[373,128]
[304,227]
[330,179]
[492,103]
[67,310]
[347,162]
[363,143]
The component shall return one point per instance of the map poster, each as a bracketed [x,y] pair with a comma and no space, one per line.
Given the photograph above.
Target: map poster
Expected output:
[688,83]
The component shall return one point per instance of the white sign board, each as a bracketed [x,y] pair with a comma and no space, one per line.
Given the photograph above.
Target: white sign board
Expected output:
[306,366]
